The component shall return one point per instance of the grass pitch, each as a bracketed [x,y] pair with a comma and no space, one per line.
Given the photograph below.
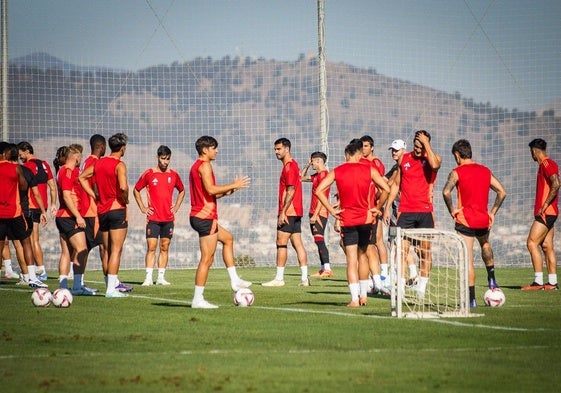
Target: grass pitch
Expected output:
[293,339]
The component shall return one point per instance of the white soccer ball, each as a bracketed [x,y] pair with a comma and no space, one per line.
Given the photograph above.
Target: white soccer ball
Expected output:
[243,297]
[62,298]
[41,297]
[494,297]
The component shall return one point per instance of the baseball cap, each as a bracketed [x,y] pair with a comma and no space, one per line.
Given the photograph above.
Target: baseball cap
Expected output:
[398,144]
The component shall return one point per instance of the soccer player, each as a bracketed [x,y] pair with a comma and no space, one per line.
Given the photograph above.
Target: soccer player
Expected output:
[160,183]
[414,182]
[45,179]
[290,211]
[376,251]
[203,218]
[110,177]
[473,221]
[318,213]
[356,214]
[546,210]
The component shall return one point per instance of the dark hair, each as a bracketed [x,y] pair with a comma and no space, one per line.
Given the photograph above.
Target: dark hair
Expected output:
[117,141]
[4,146]
[25,146]
[283,141]
[11,152]
[60,157]
[538,143]
[319,154]
[163,151]
[205,142]
[424,132]
[367,138]
[353,147]
[96,141]
[463,147]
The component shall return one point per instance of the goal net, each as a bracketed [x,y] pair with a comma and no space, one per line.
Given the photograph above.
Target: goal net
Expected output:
[444,255]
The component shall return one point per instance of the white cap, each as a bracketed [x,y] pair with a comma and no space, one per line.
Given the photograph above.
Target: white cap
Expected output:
[398,144]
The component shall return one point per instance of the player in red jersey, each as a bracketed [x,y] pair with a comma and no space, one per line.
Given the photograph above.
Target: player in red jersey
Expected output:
[414,181]
[290,212]
[318,213]
[110,177]
[473,220]
[160,183]
[356,214]
[204,218]
[45,180]
[376,252]
[546,210]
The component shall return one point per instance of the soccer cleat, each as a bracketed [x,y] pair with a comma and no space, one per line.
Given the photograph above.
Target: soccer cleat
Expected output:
[273,283]
[472,303]
[323,274]
[37,284]
[122,287]
[202,304]
[533,287]
[384,291]
[304,283]
[551,287]
[22,281]
[363,301]
[238,284]
[411,281]
[492,283]
[82,291]
[11,275]
[116,294]
[162,281]
[353,304]
[147,282]
[94,290]
[43,276]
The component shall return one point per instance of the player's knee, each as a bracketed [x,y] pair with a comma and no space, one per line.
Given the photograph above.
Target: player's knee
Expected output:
[282,246]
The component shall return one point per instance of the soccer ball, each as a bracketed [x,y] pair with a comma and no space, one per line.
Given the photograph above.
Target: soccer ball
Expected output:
[62,298]
[494,297]
[41,297]
[243,297]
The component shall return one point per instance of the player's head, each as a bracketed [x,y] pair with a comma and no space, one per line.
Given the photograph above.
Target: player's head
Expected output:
[418,147]
[164,157]
[461,149]
[3,147]
[25,151]
[75,153]
[98,144]
[318,160]
[205,142]
[353,148]
[367,145]
[117,142]
[282,148]
[60,157]
[397,148]
[537,146]
[11,152]
[319,154]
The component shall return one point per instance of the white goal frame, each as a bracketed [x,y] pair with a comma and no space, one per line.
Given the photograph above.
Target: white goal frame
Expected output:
[447,293]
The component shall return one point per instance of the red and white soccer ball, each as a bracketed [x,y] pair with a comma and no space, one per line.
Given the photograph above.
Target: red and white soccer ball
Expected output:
[62,298]
[244,297]
[41,297]
[494,297]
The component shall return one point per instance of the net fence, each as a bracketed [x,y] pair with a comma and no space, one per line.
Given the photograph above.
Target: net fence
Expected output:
[247,100]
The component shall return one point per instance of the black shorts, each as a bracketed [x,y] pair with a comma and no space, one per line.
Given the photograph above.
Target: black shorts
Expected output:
[471,232]
[294,225]
[17,228]
[548,222]
[408,220]
[35,215]
[318,227]
[93,234]
[357,235]
[156,229]
[67,227]
[113,219]
[204,227]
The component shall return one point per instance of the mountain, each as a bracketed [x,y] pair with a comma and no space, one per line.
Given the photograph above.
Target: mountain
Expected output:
[45,61]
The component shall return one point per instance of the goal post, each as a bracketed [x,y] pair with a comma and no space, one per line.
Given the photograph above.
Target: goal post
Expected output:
[446,293]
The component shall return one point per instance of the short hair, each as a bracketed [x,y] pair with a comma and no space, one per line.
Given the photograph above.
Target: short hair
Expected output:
[117,141]
[60,157]
[538,143]
[319,154]
[25,146]
[4,146]
[205,142]
[463,148]
[367,138]
[283,141]
[11,152]
[163,151]
[97,140]
[75,147]
[353,147]
[423,132]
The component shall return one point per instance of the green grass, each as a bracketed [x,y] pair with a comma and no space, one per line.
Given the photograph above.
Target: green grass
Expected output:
[292,339]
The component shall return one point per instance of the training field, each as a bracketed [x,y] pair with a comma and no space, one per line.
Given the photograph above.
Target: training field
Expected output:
[293,339]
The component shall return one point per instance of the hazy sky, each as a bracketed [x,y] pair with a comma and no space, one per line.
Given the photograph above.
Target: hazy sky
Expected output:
[506,52]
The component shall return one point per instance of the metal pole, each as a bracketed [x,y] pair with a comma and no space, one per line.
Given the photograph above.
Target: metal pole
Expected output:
[323,118]
[4,71]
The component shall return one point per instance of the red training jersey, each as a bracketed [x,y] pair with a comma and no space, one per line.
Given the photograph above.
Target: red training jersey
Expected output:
[67,180]
[474,181]
[290,176]
[316,179]
[353,186]
[10,205]
[88,207]
[159,189]
[203,205]
[105,177]
[417,183]
[41,187]
[546,169]
[379,166]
